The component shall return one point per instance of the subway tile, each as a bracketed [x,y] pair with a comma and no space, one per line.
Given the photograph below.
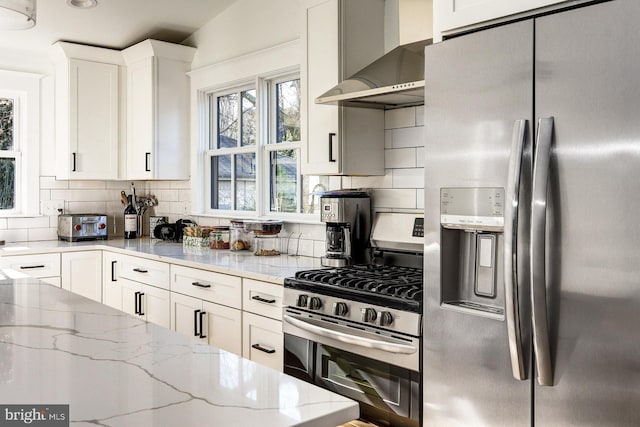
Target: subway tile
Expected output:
[81,195]
[380,181]
[420,115]
[400,118]
[180,184]
[388,138]
[346,182]
[420,153]
[408,137]
[36,234]
[93,185]
[45,195]
[319,248]
[85,207]
[395,198]
[408,178]
[305,248]
[184,195]
[400,158]
[14,235]
[50,182]
[313,231]
[39,221]
[3,223]
[167,196]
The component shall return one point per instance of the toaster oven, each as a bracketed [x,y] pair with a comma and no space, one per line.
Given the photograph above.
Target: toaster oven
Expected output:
[77,227]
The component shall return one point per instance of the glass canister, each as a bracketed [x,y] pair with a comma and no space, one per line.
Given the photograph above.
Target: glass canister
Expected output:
[266,243]
[240,238]
[220,237]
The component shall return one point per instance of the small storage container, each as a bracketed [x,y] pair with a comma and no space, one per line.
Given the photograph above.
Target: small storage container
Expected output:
[240,238]
[266,243]
[220,237]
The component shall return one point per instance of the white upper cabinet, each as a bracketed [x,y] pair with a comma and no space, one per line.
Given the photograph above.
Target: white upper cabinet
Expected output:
[87,108]
[451,16]
[340,38]
[158,110]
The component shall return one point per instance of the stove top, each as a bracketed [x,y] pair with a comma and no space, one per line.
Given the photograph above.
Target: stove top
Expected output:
[396,287]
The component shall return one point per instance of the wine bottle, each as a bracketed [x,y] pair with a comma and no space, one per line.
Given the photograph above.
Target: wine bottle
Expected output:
[130,221]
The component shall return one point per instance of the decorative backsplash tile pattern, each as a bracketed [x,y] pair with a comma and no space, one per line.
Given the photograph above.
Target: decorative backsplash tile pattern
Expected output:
[400,188]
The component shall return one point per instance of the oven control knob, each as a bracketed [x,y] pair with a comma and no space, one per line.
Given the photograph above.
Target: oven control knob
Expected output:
[302,300]
[315,303]
[340,309]
[386,318]
[369,315]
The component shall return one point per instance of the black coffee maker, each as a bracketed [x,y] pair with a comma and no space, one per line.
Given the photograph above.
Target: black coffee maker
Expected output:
[347,214]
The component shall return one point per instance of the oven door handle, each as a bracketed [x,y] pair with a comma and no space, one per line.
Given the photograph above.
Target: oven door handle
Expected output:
[377,344]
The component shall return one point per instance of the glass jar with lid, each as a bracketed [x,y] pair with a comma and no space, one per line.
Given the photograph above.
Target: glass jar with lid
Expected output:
[220,237]
[240,238]
[266,243]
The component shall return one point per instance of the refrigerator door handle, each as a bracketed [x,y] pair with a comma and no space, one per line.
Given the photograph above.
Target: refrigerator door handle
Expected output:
[538,230]
[512,309]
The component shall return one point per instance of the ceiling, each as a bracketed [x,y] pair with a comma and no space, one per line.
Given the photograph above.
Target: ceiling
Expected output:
[113,23]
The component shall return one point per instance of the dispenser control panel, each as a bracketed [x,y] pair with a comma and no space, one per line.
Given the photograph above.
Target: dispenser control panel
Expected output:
[472,208]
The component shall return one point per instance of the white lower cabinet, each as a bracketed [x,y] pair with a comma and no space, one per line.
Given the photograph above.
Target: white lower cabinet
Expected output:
[263,340]
[82,273]
[212,323]
[45,267]
[111,288]
[148,302]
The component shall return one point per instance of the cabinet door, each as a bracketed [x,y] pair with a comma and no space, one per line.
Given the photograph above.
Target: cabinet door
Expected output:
[141,86]
[150,272]
[452,14]
[262,298]
[262,340]
[93,120]
[82,273]
[184,314]
[223,327]
[207,285]
[37,265]
[156,305]
[322,70]
[111,288]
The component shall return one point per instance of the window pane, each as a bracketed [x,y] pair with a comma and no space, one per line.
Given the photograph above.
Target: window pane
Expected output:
[7,183]
[228,121]
[288,111]
[221,182]
[6,124]
[284,179]
[249,117]
[245,182]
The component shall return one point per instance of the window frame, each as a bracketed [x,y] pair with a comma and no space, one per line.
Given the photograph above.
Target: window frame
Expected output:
[16,154]
[266,129]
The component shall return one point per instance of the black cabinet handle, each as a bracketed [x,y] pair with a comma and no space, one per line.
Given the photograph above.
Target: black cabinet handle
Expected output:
[195,323]
[135,302]
[261,348]
[146,162]
[201,285]
[73,167]
[264,300]
[30,267]
[140,270]
[331,135]
[141,313]
[113,271]
[202,313]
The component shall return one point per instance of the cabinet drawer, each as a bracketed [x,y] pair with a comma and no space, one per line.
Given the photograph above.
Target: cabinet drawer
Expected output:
[207,285]
[38,265]
[154,273]
[262,298]
[262,340]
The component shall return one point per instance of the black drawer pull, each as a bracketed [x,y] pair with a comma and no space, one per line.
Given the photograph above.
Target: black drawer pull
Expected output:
[202,313]
[266,301]
[140,270]
[146,162]
[29,267]
[261,348]
[141,313]
[113,271]
[331,135]
[201,285]
[135,302]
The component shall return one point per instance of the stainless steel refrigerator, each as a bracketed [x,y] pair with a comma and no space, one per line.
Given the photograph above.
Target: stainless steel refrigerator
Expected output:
[532,222]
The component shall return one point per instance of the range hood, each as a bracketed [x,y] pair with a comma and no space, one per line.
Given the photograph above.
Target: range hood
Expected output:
[394,80]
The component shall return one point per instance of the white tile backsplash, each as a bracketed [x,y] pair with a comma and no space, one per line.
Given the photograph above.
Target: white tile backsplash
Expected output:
[400,118]
[400,158]
[407,137]
[408,178]
[395,198]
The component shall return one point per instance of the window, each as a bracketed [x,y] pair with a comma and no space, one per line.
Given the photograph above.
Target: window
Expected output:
[9,153]
[253,160]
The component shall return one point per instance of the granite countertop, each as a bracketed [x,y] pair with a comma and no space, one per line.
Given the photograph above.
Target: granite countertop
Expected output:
[113,369]
[243,263]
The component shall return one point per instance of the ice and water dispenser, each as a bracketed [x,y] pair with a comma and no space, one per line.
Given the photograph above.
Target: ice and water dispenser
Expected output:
[472,224]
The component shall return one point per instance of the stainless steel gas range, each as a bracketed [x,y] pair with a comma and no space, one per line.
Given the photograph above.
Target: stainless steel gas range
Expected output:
[357,330]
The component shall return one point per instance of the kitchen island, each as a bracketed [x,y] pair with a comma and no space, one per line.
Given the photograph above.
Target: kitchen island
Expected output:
[113,369]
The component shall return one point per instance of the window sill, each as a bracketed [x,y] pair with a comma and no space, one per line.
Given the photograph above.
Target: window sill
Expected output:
[291,219]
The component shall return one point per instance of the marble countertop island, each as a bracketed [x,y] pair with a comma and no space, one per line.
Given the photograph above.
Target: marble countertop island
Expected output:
[113,369]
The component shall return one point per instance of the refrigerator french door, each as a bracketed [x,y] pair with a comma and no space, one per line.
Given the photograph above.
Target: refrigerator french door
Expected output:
[532,251]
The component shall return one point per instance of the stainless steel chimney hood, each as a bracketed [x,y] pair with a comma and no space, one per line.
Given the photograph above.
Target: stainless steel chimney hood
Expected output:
[394,80]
